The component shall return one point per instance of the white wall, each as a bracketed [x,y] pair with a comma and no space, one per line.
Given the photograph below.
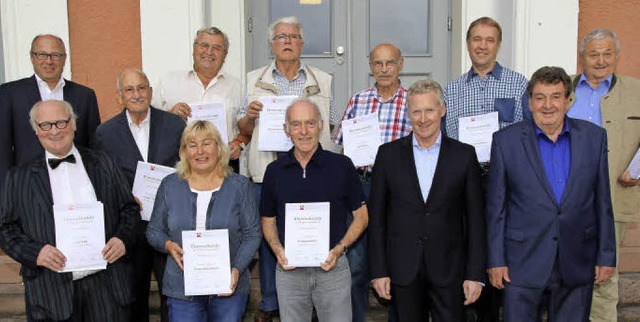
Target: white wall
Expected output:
[21,21]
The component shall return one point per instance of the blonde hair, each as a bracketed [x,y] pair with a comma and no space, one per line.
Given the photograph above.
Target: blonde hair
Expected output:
[208,130]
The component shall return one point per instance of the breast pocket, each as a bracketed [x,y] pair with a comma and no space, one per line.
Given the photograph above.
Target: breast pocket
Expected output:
[506,108]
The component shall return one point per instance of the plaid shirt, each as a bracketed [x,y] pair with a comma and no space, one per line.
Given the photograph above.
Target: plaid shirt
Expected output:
[502,90]
[392,113]
[288,87]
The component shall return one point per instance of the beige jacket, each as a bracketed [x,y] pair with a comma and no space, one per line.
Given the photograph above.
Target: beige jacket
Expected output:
[620,109]
[260,82]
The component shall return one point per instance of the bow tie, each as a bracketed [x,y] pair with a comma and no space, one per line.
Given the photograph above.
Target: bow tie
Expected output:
[54,163]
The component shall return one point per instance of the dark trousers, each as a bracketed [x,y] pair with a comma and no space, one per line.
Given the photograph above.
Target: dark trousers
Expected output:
[145,260]
[93,302]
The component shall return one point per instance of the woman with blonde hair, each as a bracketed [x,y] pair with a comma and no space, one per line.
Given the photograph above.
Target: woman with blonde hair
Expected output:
[204,194]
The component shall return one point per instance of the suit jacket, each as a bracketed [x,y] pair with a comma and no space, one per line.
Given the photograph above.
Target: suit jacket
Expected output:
[18,141]
[621,118]
[528,230]
[448,228]
[114,137]
[27,225]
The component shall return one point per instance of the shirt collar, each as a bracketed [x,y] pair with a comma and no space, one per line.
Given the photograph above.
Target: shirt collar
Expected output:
[290,159]
[565,128]
[42,83]
[144,122]
[496,72]
[606,82]
[275,71]
[393,97]
[435,145]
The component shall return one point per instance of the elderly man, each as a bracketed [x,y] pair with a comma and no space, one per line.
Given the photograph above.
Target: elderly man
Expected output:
[141,133]
[286,75]
[301,176]
[206,83]
[68,176]
[387,98]
[610,101]
[549,218]
[18,144]
[427,236]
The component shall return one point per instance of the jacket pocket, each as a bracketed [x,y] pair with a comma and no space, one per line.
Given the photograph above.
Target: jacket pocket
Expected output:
[590,233]
[514,234]
[506,108]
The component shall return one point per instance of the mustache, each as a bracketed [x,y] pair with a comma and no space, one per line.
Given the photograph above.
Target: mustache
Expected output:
[137,100]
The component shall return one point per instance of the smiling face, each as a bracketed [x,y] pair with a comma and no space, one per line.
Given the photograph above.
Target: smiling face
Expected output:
[209,53]
[56,141]
[425,112]
[289,49]
[135,92]
[202,154]
[483,45]
[599,59]
[303,127]
[386,64]
[49,70]
[548,104]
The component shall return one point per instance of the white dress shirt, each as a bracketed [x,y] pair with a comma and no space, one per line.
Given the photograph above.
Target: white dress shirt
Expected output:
[48,94]
[141,133]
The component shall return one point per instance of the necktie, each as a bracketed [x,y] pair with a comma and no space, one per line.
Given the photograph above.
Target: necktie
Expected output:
[54,163]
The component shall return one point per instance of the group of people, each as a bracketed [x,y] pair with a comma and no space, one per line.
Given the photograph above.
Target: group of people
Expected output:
[435,232]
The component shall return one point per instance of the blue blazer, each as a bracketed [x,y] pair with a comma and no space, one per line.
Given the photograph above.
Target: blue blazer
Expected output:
[18,141]
[115,138]
[526,227]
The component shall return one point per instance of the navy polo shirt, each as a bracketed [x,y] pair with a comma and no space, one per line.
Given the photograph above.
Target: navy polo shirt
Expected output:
[328,177]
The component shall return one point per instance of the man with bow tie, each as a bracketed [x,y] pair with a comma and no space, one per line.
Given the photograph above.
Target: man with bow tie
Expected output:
[70,176]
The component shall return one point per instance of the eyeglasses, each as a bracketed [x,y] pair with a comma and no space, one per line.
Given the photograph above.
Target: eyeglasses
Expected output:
[61,124]
[132,89]
[206,46]
[53,56]
[285,37]
[297,125]
[379,64]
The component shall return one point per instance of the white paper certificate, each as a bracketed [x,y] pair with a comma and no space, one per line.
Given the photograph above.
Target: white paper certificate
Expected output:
[634,166]
[478,131]
[361,139]
[207,263]
[212,112]
[146,183]
[80,235]
[306,233]
[271,132]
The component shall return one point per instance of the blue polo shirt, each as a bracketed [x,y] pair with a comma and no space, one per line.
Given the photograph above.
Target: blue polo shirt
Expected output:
[328,177]
[556,159]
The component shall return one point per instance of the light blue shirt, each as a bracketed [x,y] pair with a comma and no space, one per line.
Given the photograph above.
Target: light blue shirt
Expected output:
[587,104]
[426,161]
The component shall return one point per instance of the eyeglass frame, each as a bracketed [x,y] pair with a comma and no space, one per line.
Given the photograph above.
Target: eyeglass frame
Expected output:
[59,124]
[282,38]
[390,64]
[44,55]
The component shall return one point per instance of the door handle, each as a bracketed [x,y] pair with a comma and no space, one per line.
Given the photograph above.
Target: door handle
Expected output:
[339,50]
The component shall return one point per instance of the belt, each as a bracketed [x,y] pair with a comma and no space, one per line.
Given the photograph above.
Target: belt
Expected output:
[365,173]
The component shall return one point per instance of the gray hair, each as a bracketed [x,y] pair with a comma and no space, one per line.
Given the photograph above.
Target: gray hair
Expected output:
[599,34]
[287,21]
[33,42]
[385,44]
[67,108]
[135,70]
[424,86]
[213,31]
[306,101]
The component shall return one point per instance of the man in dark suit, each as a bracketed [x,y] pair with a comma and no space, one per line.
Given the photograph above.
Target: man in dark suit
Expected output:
[71,176]
[549,217]
[18,143]
[141,133]
[426,230]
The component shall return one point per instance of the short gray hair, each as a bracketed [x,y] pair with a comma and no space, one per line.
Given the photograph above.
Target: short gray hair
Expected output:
[306,101]
[213,31]
[135,70]
[599,34]
[58,39]
[67,108]
[291,20]
[424,86]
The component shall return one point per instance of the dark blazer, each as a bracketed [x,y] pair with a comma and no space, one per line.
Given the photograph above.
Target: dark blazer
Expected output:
[114,137]
[448,229]
[526,227]
[27,225]
[18,141]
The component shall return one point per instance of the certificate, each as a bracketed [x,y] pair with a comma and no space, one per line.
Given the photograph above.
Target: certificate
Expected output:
[306,233]
[271,132]
[478,131]
[207,263]
[146,183]
[212,112]
[361,139]
[80,235]
[634,166]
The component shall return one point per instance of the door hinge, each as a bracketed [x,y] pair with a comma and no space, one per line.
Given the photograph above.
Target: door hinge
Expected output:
[449,23]
[250,25]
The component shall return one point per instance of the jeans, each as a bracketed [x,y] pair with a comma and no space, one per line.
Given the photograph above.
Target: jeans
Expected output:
[207,308]
[267,268]
[303,288]
[357,256]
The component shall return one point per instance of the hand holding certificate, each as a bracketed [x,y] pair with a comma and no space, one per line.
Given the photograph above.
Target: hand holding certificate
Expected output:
[361,139]
[478,131]
[80,236]
[207,263]
[146,183]
[306,233]
[212,112]
[271,132]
